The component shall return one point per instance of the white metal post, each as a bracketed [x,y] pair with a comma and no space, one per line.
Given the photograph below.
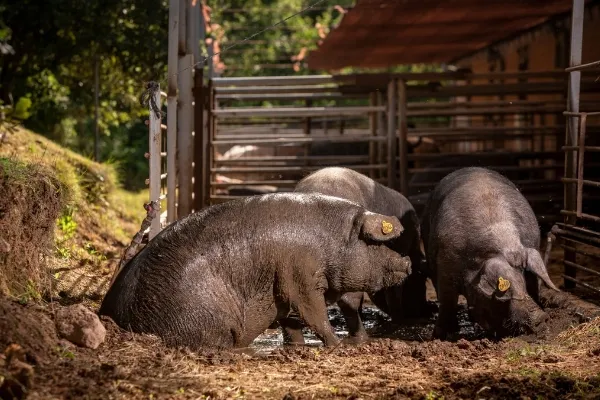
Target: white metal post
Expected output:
[155,159]
[172,110]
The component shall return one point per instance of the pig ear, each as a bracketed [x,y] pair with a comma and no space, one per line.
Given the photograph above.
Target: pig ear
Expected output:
[379,227]
[496,278]
[535,264]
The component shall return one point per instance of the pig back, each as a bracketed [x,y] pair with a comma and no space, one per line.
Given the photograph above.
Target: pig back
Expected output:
[478,210]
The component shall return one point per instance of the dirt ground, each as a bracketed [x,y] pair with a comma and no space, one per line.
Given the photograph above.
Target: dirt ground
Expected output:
[400,362]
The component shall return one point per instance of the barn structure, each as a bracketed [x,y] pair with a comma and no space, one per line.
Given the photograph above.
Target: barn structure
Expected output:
[518,92]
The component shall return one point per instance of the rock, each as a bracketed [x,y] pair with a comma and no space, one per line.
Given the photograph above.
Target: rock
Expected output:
[81,326]
[17,378]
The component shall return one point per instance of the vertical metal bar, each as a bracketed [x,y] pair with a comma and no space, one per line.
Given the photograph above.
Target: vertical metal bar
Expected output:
[155,161]
[184,136]
[183,5]
[213,135]
[582,123]
[571,131]
[96,108]
[172,111]
[381,151]
[373,129]
[208,144]
[193,21]
[403,137]
[391,132]
[199,150]
[210,49]
[307,126]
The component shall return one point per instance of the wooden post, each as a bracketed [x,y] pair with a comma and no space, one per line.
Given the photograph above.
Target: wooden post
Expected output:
[403,137]
[199,147]
[184,137]
[391,132]
[373,129]
[155,160]
[172,111]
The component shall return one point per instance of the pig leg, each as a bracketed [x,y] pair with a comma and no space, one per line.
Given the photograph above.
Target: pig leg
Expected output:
[313,311]
[447,321]
[350,304]
[292,330]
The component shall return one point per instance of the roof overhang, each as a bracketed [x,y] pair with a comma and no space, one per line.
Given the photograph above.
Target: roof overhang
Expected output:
[384,33]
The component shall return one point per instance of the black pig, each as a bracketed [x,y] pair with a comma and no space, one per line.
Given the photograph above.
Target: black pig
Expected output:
[219,277]
[401,301]
[481,239]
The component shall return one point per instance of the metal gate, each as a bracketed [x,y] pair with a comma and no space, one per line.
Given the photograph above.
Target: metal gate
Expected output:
[579,234]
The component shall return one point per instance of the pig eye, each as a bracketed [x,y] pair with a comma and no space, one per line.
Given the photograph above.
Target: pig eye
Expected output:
[502,295]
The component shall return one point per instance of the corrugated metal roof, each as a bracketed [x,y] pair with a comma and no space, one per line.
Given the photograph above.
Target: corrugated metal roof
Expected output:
[382,33]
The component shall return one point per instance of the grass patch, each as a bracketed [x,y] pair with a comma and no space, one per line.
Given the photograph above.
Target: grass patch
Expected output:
[93,216]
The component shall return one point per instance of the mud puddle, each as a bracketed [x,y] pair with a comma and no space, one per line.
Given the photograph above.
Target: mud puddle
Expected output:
[377,324]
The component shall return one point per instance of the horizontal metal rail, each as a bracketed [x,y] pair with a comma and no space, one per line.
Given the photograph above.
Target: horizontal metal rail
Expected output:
[584,181]
[256,183]
[276,159]
[581,267]
[277,142]
[594,149]
[494,167]
[273,80]
[579,282]
[277,112]
[595,64]
[582,215]
[230,170]
[488,155]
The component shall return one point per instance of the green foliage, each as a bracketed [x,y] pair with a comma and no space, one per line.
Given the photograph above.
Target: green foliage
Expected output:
[66,224]
[49,50]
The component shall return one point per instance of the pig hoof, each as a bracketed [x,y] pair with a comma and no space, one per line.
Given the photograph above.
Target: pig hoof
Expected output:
[354,340]
[439,333]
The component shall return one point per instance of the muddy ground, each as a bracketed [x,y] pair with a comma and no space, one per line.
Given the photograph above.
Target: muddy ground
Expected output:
[398,363]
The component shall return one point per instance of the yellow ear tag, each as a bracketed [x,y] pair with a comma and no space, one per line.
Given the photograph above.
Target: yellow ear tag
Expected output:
[386,227]
[503,284]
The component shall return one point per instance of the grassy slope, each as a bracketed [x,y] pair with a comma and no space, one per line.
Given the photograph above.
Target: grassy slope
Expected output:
[97,221]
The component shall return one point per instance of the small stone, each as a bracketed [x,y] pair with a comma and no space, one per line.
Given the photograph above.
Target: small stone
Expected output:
[463,344]
[595,352]
[81,326]
[551,359]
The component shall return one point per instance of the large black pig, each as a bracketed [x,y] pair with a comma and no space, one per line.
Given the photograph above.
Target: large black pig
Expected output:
[219,277]
[401,301]
[481,240]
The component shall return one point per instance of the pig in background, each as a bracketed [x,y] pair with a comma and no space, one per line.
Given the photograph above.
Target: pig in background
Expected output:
[219,277]
[481,239]
[399,302]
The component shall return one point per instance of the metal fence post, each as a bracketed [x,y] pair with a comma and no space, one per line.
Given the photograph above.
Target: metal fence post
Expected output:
[571,129]
[172,111]
[155,159]
[392,92]
[403,137]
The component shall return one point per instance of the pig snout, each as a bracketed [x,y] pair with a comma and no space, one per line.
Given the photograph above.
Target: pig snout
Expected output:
[528,318]
[398,270]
